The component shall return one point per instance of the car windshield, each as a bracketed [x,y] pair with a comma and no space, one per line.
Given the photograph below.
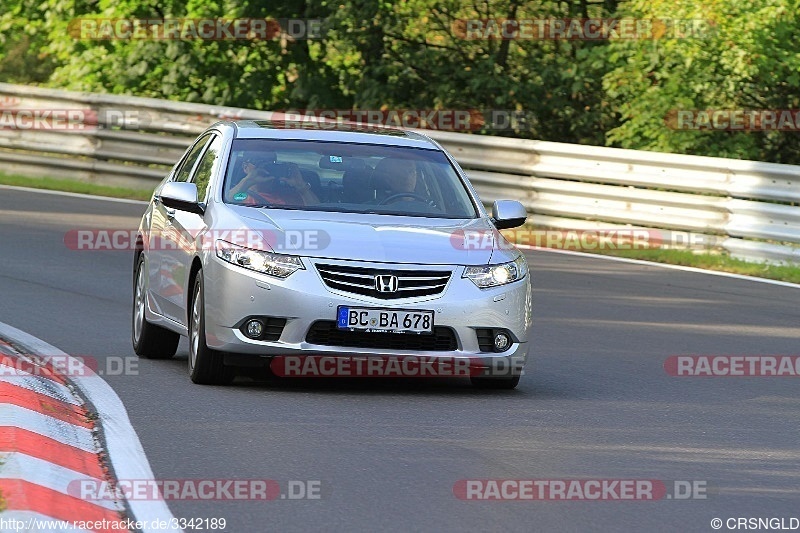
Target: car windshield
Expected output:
[344,177]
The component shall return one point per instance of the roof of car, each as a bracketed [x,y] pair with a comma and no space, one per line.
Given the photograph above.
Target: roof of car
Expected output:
[330,131]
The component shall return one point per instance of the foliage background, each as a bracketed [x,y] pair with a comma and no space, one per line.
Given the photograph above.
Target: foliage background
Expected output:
[407,54]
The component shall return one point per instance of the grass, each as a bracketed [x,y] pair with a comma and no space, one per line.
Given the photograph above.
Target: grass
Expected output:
[720,262]
[75,186]
[706,261]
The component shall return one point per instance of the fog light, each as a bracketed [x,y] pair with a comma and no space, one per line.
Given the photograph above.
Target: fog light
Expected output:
[255,328]
[501,342]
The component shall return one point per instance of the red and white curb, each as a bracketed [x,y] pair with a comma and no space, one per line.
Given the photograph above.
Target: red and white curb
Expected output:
[56,431]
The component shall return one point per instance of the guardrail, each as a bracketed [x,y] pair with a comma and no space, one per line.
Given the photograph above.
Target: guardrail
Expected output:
[745,207]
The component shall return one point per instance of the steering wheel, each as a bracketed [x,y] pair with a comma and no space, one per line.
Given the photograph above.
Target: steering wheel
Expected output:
[395,197]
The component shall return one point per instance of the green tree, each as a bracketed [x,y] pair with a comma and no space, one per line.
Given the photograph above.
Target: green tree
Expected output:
[412,55]
[749,61]
[26,30]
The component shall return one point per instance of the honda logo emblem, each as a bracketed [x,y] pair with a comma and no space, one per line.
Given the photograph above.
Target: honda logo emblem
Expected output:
[386,283]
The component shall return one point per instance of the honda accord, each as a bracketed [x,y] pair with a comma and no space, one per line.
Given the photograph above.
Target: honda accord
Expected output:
[336,240]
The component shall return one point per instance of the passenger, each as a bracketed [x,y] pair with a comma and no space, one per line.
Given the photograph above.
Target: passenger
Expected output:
[257,176]
[294,178]
[273,184]
[251,163]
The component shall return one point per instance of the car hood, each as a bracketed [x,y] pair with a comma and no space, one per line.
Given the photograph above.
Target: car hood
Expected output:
[378,238]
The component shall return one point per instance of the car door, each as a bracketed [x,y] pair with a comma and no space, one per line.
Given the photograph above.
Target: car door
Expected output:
[165,286]
[185,227]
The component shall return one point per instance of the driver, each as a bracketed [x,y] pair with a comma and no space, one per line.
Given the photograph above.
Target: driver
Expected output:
[402,176]
[399,176]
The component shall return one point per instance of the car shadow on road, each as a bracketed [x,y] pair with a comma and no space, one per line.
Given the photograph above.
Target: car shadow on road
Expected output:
[531,385]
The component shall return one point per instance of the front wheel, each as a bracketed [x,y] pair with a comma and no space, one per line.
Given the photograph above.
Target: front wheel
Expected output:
[149,340]
[205,365]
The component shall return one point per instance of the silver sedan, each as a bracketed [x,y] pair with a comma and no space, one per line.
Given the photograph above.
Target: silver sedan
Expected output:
[266,243]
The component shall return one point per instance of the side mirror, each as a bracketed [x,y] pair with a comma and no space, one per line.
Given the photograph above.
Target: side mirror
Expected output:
[181,196]
[508,214]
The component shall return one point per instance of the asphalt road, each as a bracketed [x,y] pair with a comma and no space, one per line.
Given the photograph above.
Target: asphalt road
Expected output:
[596,403]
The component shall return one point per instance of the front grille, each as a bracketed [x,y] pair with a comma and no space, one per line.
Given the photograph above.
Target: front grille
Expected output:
[358,280]
[325,333]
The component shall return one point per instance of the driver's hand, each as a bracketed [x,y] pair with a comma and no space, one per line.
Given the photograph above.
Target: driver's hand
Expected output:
[296,181]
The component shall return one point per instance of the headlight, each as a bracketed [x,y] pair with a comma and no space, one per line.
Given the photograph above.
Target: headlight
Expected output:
[494,275]
[278,265]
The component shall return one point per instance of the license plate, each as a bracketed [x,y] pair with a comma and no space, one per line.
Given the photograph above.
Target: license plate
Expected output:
[384,320]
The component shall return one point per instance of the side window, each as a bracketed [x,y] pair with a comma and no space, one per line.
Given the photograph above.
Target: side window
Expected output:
[186,168]
[202,176]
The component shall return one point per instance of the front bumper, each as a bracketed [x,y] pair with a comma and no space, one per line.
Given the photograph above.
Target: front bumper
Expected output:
[234,293]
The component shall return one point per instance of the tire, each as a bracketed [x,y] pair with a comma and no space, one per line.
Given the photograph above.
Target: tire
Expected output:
[205,365]
[508,383]
[149,340]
